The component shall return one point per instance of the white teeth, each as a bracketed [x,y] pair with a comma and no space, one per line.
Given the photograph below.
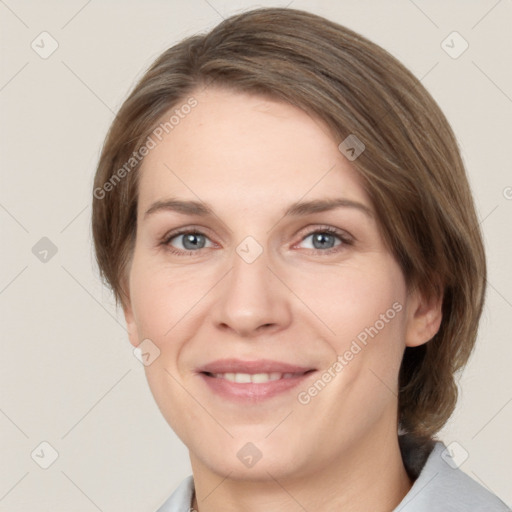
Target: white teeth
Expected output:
[266,377]
[242,378]
[257,378]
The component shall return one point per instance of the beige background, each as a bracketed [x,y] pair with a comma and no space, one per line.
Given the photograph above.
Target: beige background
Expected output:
[68,375]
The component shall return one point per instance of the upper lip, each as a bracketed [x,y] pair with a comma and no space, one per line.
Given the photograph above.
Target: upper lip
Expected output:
[251,367]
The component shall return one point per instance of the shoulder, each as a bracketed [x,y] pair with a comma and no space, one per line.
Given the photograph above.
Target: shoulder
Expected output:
[181,499]
[441,485]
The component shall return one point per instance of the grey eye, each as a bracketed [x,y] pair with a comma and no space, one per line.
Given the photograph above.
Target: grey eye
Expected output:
[190,241]
[322,240]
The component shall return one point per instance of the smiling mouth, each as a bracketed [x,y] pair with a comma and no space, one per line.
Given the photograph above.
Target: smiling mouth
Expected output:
[255,378]
[252,388]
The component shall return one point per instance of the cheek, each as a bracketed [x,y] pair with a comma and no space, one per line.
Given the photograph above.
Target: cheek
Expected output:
[350,299]
[163,301]
[364,309]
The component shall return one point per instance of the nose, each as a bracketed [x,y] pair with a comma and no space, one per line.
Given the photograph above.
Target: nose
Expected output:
[251,299]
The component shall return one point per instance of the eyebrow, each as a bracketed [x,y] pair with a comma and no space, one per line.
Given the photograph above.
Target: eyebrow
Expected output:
[300,208]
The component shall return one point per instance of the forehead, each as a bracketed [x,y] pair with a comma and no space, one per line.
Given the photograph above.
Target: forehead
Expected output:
[249,150]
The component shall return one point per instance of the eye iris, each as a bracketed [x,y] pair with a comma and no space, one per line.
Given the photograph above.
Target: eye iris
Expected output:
[191,238]
[321,238]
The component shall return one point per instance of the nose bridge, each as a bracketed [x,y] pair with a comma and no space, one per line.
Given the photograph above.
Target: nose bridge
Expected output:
[251,297]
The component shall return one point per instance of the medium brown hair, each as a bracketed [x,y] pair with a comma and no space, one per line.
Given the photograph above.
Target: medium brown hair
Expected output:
[411,168]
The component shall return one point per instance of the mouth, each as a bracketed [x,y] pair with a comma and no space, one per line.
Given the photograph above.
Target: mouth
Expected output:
[252,381]
[255,378]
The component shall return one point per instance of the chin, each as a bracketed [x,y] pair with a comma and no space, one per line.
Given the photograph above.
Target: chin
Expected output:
[261,460]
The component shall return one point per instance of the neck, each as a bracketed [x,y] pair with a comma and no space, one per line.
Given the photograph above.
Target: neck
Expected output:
[370,477]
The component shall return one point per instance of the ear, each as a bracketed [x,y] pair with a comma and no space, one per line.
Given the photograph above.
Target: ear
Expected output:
[424,316]
[131,325]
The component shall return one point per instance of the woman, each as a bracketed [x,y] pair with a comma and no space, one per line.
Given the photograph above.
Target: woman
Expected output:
[281,209]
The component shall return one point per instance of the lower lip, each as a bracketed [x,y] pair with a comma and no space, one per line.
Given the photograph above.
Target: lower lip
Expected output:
[249,391]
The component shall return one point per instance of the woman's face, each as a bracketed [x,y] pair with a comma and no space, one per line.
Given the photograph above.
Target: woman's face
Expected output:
[280,321]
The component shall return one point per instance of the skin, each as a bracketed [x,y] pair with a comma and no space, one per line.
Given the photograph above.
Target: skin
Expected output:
[249,158]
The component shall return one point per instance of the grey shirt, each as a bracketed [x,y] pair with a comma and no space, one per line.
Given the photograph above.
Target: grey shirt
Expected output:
[440,486]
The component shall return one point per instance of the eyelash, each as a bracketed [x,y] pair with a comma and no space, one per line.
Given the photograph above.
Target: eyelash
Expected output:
[345,240]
